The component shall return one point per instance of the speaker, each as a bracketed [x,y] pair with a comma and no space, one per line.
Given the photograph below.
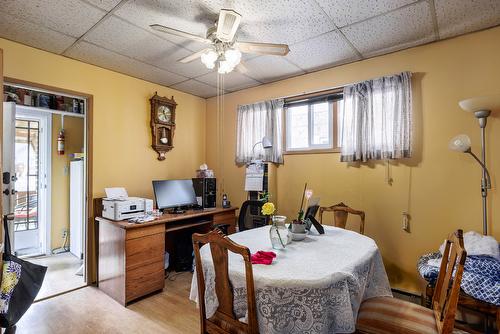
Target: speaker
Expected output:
[206,191]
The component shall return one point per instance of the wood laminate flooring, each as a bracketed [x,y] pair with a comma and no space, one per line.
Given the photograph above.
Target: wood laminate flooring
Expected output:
[89,310]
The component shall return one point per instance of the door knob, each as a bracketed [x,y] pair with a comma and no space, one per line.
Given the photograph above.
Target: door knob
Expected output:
[9,216]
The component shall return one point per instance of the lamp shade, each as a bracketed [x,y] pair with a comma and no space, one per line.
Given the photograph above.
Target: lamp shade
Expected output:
[489,102]
[460,143]
[266,142]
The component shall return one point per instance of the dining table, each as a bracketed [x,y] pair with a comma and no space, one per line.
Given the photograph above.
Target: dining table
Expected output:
[313,286]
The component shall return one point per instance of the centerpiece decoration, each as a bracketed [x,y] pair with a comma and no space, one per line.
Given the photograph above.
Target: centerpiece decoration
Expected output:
[300,225]
[278,233]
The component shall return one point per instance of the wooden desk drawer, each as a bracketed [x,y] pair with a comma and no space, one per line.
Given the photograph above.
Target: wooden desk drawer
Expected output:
[144,280]
[145,250]
[224,216]
[144,231]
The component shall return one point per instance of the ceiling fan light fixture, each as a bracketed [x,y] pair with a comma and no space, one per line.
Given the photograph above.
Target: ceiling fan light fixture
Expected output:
[209,58]
[225,67]
[233,56]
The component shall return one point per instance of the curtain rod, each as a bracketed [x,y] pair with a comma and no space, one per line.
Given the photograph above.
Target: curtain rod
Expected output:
[324,89]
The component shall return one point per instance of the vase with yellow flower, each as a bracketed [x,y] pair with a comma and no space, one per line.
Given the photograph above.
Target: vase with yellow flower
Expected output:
[278,232]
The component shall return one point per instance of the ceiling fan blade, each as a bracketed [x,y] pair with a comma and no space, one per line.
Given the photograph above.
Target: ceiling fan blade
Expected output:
[228,23]
[193,56]
[178,33]
[263,48]
[242,68]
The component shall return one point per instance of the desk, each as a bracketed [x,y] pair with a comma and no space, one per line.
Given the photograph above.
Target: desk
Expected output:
[131,256]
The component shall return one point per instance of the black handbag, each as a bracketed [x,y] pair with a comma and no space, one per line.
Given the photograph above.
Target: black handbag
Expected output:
[21,281]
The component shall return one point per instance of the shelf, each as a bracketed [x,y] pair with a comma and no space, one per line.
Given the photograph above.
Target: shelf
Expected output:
[52,111]
[184,226]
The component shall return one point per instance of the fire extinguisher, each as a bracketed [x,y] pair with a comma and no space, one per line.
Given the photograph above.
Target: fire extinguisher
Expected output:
[60,142]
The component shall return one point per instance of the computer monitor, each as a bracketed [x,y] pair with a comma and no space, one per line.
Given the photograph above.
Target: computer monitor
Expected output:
[174,194]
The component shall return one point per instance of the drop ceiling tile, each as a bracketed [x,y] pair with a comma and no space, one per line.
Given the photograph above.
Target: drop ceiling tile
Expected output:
[281,21]
[118,35]
[403,28]
[345,12]
[196,88]
[33,35]
[71,17]
[232,81]
[96,55]
[456,17]
[187,15]
[320,52]
[107,5]
[271,68]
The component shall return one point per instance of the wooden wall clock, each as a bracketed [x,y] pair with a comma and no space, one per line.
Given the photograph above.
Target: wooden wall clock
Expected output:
[162,124]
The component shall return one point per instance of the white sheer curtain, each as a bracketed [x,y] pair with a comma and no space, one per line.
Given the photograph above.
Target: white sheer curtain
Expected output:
[377,119]
[254,122]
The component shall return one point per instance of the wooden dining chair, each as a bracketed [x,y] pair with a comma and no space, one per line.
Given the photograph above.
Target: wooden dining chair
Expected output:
[384,315]
[340,214]
[224,320]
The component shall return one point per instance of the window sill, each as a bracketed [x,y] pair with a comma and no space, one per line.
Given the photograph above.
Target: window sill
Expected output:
[317,151]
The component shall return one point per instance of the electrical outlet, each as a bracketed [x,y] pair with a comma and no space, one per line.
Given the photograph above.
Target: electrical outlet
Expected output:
[405,223]
[64,233]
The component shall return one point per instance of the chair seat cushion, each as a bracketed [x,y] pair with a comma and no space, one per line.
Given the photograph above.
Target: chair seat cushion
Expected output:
[383,315]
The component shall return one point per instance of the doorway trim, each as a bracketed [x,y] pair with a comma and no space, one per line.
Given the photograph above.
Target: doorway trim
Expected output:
[45,193]
[89,274]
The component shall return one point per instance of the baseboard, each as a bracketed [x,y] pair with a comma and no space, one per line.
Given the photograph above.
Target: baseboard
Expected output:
[407,295]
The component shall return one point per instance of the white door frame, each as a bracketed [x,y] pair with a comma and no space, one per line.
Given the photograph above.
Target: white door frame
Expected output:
[44,183]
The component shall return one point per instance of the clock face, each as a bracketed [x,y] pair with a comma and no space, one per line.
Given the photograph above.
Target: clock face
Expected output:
[164,114]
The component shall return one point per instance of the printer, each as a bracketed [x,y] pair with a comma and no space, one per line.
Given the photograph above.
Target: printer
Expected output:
[126,207]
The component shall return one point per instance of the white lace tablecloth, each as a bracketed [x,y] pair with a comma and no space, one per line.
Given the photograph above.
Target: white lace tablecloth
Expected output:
[313,286]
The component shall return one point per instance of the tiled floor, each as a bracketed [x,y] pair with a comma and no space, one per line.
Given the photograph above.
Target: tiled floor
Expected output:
[61,273]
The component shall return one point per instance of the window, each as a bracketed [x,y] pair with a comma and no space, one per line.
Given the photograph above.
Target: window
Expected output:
[311,124]
[27,170]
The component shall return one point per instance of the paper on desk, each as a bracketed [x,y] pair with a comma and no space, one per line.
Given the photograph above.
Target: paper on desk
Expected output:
[116,193]
[254,180]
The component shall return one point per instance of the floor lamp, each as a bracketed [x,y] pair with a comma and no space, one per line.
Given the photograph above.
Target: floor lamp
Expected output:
[482,108]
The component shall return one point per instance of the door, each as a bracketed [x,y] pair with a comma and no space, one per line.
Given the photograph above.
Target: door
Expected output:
[8,166]
[33,167]
[29,206]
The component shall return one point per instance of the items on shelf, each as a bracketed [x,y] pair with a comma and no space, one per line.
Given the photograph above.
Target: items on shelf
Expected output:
[33,98]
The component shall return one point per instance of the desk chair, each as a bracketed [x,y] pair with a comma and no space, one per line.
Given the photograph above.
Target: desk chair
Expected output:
[224,320]
[250,215]
[387,315]
[340,213]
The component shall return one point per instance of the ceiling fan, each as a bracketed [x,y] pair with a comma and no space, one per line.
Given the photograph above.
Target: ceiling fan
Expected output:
[224,50]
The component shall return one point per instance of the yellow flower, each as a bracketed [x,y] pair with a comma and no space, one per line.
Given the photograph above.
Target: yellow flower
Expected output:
[268,209]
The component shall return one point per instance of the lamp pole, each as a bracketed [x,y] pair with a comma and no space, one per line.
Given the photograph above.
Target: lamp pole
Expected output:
[482,116]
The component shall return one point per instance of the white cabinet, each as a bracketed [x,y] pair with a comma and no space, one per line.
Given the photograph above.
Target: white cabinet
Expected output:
[76,206]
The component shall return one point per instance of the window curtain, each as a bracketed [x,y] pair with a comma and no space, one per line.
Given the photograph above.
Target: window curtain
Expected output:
[254,122]
[376,119]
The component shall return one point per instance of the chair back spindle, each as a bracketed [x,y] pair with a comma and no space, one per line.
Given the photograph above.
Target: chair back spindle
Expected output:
[340,214]
[447,290]
[224,320]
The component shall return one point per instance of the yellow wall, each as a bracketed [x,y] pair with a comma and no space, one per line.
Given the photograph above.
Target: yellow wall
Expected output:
[438,187]
[74,135]
[122,138]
